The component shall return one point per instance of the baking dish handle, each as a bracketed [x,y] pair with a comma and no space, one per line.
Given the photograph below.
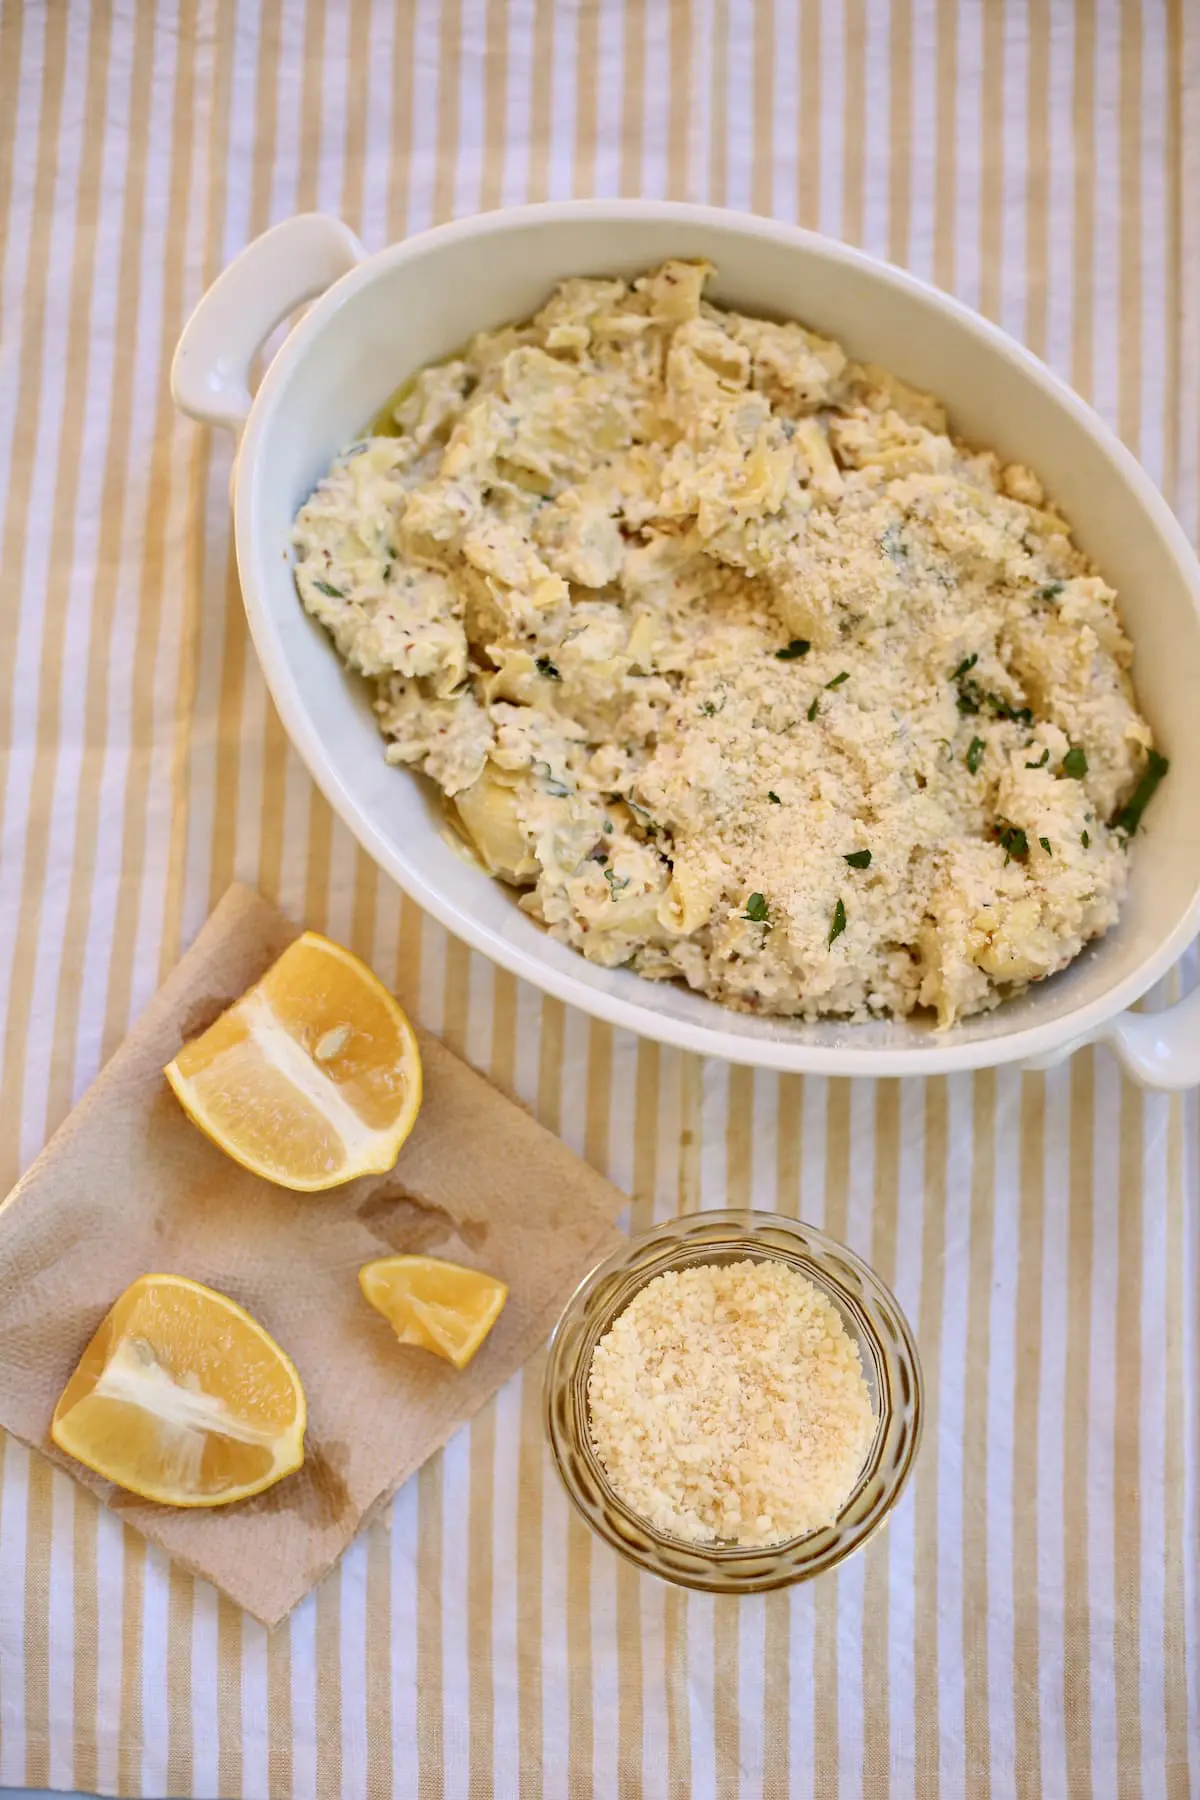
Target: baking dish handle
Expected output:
[210,376]
[1157,1050]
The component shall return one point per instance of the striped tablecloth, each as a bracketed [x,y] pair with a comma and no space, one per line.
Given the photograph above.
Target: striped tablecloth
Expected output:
[1029,1623]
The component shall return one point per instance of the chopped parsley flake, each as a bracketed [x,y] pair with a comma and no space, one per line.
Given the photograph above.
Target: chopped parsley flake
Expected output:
[643,817]
[756,910]
[1051,592]
[1084,839]
[1004,709]
[615,884]
[708,709]
[324,588]
[838,679]
[839,922]
[974,754]
[965,667]
[774,798]
[1127,818]
[545,667]
[858,859]
[892,544]
[1074,764]
[387,571]
[1045,843]
[797,647]
[1012,841]
[971,698]
[1042,760]
[550,782]
[812,711]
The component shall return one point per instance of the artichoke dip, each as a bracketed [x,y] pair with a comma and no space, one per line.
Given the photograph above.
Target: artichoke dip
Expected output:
[724,651]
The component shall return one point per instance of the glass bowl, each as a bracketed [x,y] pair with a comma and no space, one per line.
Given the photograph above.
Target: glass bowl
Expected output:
[873,1320]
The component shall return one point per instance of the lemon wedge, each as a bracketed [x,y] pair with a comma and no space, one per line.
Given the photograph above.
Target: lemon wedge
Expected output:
[312,1077]
[181,1397]
[439,1306]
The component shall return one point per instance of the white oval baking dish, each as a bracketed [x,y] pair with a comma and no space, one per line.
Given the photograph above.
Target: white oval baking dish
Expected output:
[380,317]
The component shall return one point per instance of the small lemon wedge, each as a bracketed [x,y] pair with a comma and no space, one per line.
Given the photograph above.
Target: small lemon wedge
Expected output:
[439,1306]
[181,1397]
[312,1077]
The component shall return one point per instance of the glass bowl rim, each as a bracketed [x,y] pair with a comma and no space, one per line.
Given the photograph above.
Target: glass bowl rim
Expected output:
[872,1315]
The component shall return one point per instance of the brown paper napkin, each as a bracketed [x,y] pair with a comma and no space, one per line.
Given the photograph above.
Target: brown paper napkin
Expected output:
[128,1186]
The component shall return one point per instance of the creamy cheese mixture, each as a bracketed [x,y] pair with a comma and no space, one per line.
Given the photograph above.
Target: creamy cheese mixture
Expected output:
[726,653]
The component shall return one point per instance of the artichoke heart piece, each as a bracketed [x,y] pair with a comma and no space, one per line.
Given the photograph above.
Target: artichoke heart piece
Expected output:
[490,816]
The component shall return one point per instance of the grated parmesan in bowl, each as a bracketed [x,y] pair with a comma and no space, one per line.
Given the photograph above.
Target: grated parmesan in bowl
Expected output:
[733,1401]
[728,1402]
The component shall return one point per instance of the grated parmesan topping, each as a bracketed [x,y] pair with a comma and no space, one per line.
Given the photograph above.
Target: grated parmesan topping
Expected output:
[730,656]
[728,1402]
